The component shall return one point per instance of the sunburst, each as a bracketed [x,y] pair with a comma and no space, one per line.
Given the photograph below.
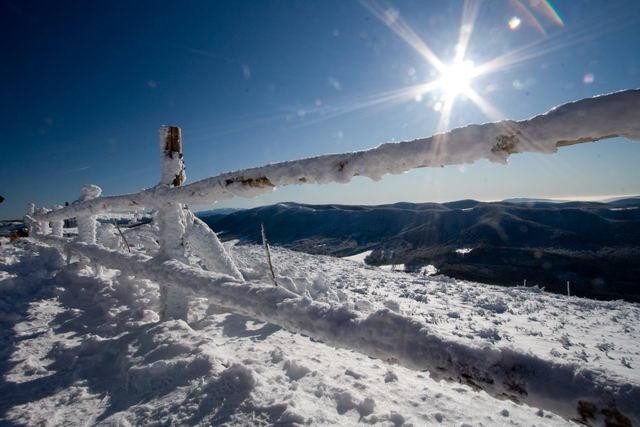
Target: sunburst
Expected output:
[455,78]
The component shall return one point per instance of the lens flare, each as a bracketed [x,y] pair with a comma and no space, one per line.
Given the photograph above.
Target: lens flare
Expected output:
[514,23]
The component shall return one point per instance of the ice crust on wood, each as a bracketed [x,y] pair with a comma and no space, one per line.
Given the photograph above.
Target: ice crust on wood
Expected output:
[57,226]
[172,225]
[87,222]
[592,119]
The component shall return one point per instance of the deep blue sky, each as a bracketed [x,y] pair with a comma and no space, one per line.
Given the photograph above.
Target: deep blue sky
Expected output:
[85,86]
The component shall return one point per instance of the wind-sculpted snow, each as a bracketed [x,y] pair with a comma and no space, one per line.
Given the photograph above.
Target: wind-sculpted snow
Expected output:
[572,390]
[587,120]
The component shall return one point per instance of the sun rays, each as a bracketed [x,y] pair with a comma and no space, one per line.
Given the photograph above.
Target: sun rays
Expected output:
[455,78]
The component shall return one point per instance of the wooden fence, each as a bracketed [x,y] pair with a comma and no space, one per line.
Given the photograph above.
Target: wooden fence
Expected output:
[387,335]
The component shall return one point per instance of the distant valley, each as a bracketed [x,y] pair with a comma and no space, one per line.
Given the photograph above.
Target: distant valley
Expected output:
[595,246]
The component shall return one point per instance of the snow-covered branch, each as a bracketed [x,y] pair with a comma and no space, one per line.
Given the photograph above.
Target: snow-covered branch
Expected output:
[587,120]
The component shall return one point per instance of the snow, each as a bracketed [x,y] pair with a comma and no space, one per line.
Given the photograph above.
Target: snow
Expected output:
[428,270]
[463,251]
[631,208]
[392,267]
[358,257]
[89,192]
[591,119]
[213,254]
[85,348]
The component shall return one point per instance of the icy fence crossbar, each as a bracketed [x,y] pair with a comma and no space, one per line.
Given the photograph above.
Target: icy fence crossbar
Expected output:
[591,119]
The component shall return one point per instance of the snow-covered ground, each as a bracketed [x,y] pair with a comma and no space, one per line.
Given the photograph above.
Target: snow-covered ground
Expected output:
[81,348]
[358,257]
[598,334]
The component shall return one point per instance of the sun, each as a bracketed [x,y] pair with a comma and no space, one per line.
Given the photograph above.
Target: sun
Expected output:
[455,78]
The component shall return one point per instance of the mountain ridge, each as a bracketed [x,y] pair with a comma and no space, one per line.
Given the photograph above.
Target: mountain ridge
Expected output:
[595,245]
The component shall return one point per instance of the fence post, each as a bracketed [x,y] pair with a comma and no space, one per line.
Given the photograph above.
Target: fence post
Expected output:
[57,226]
[35,226]
[28,219]
[87,223]
[171,219]
[178,226]
[43,226]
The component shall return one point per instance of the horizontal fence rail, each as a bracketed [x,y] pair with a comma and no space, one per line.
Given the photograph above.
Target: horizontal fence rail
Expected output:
[386,335]
[587,120]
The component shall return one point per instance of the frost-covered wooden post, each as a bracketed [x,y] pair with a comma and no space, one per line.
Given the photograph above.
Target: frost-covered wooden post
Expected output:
[178,226]
[36,226]
[171,216]
[28,219]
[86,222]
[171,219]
[57,226]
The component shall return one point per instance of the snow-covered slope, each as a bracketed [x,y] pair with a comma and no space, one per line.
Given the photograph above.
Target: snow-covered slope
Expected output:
[81,348]
[596,246]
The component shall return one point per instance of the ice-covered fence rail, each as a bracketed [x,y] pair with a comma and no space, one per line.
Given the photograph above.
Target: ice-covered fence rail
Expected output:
[587,120]
[502,372]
